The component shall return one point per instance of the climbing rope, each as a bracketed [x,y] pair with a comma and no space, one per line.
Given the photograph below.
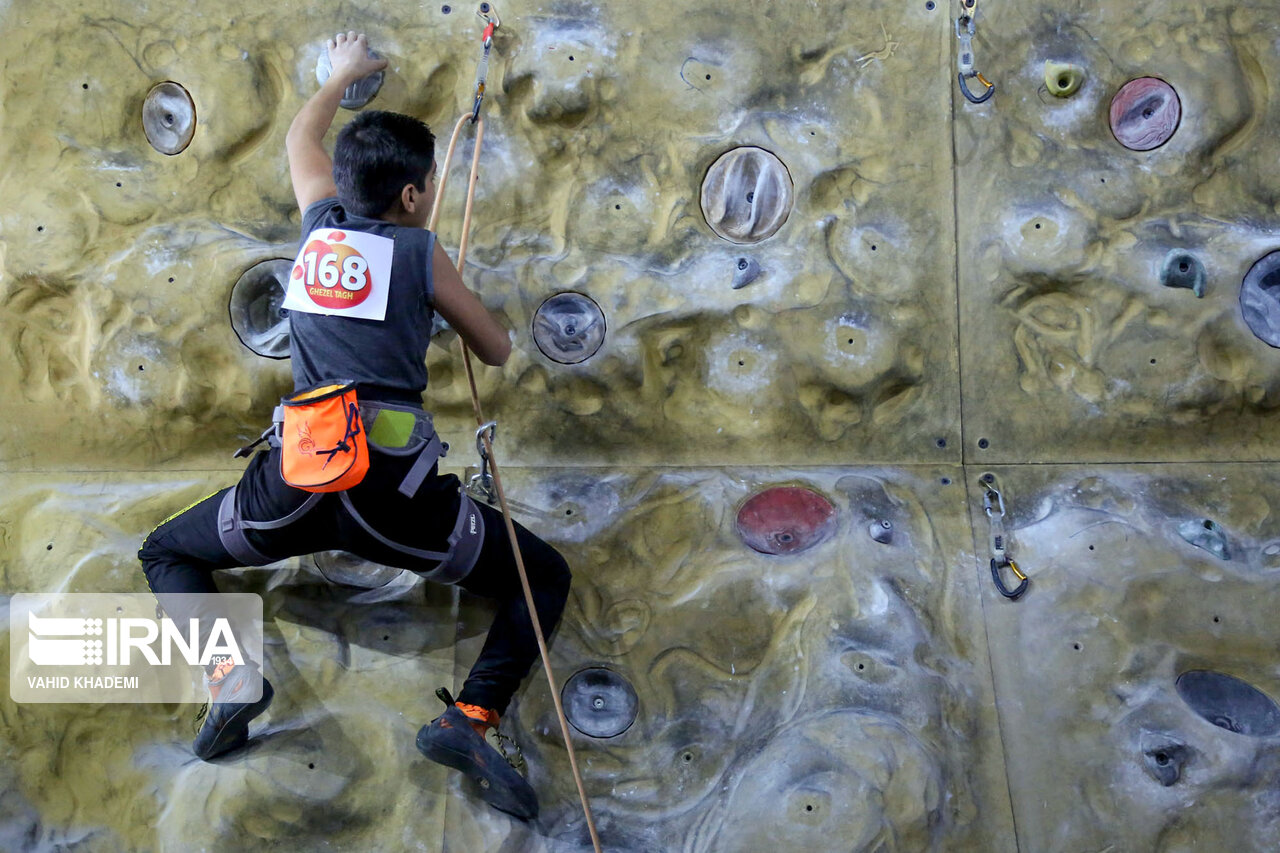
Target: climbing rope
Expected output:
[965,33]
[993,506]
[486,430]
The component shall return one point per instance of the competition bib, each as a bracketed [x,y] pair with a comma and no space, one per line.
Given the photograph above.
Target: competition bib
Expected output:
[345,273]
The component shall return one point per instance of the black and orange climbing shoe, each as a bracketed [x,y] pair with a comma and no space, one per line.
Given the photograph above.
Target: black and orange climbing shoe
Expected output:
[456,739]
[225,725]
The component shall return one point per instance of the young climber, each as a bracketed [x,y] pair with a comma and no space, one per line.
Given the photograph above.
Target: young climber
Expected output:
[364,244]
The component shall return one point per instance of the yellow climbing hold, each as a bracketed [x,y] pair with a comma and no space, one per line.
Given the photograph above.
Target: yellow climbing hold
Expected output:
[1063,79]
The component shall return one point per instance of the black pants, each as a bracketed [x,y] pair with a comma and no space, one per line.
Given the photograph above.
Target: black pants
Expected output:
[182,554]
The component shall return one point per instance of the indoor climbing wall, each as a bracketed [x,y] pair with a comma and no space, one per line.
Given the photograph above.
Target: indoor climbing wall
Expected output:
[789,295]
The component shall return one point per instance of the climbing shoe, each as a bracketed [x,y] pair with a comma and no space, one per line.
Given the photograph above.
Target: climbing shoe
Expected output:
[225,725]
[456,739]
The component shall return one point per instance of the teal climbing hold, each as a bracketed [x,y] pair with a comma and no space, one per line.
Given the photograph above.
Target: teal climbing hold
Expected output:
[1183,269]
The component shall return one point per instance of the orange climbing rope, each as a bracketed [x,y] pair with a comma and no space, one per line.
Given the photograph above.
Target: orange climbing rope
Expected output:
[475,118]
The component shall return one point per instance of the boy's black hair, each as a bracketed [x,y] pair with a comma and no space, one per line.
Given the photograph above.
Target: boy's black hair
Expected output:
[376,154]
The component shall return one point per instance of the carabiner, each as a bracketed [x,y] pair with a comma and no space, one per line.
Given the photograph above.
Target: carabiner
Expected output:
[991,497]
[1013,594]
[491,428]
[977,99]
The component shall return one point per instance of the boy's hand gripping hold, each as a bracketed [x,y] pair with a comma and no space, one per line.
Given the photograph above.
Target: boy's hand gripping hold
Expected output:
[349,56]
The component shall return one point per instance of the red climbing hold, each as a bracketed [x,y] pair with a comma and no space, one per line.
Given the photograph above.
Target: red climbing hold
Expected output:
[786,520]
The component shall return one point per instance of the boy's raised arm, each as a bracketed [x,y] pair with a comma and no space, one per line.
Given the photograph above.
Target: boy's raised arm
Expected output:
[310,167]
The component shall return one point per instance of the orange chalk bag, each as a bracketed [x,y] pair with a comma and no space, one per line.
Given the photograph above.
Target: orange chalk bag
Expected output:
[322,440]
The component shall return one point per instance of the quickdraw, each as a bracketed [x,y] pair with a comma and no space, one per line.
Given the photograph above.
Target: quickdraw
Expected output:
[490,16]
[993,505]
[481,484]
[486,431]
[965,33]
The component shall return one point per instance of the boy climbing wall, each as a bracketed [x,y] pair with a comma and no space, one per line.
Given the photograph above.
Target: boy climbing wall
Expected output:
[362,297]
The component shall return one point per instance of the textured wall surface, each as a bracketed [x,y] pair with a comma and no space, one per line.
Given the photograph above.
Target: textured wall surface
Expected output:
[833,295]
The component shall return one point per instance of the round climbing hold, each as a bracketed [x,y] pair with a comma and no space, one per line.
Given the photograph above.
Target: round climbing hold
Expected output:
[599,702]
[1183,269]
[169,118]
[1260,298]
[569,327]
[746,195]
[786,520]
[358,93]
[347,569]
[257,314]
[1063,79]
[1229,703]
[1145,113]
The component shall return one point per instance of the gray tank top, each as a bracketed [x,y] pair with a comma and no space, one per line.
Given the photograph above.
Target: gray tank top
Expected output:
[386,358]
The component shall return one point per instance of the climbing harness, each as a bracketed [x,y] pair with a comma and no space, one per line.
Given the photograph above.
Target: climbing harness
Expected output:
[488,430]
[965,33]
[392,430]
[993,505]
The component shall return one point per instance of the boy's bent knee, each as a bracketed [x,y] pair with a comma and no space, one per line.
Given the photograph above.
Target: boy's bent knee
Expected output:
[556,572]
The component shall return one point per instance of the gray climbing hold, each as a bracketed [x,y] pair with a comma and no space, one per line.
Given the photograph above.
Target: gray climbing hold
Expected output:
[257,314]
[1229,703]
[746,195]
[569,328]
[746,270]
[358,93]
[1183,269]
[599,702]
[881,531]
[1207,534]
[1162,757]
[347,569]
[169,118]
[1260,298]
